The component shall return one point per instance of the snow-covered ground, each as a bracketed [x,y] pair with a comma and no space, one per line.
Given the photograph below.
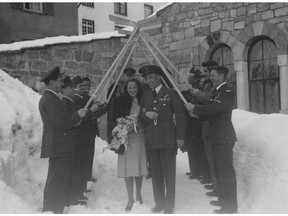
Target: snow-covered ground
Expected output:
[259,157]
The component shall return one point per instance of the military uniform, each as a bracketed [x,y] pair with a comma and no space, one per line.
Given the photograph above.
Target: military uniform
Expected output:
[161,135]
[85,143]
[57,145]
[222,137]
[74,190]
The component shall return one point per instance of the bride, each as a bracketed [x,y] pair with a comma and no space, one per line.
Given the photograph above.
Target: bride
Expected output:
[132,165]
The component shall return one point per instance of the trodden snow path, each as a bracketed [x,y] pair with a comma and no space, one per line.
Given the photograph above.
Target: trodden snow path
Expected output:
[109,193]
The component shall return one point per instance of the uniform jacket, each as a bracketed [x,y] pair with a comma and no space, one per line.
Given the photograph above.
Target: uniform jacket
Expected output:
[219,110]
[164,133]
[87,128]
[57,125]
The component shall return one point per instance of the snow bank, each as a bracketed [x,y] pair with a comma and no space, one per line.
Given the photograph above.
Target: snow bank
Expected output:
[20,132]
[259,157]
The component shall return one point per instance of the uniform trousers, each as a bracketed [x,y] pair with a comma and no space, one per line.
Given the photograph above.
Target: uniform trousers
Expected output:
[82,163]
[208,151]
[194,157]
[163,171]
[222,155]
[56,192]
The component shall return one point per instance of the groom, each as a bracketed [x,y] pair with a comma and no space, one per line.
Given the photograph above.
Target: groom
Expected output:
[160,104]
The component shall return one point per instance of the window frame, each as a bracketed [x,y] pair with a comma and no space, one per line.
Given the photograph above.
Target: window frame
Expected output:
[123,13]
[87,26]
[263,80]
[32,10]
[149,6]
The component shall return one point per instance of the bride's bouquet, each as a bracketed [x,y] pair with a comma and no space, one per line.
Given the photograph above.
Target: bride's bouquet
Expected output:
[120,133]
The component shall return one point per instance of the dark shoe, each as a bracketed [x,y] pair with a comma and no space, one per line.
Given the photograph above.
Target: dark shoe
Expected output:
[225,211]
[82,197]
[188,173]
[205,181]
[212,193]
[88,191]
[157,209]
[93,180]
[209,187]
[129,206]
[192,177]
[215,203]
[78,202]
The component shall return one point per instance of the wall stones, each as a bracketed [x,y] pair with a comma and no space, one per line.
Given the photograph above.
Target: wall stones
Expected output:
[73,59]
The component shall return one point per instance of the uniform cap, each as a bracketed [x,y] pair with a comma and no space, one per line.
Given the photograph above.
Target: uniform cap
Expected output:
[129,71]
[53,73]
[67,82]
[77,80]
[209,63]
[197,73]
[148,69]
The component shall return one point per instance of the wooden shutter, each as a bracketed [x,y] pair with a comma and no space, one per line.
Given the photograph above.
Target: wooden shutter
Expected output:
[48,8]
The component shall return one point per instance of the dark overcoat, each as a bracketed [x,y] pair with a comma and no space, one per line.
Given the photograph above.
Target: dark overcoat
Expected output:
[57,125]
[163,133]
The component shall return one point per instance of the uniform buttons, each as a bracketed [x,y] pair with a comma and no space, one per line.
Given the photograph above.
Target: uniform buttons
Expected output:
[164,104]
[154,101]
[154,108]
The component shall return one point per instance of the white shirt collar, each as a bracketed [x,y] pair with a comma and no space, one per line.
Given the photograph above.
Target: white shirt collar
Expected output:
[220,85]
[157,89]
[52,92]
[67,98]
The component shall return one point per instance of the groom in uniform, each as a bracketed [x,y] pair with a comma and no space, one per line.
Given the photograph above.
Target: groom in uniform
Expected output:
[163,138]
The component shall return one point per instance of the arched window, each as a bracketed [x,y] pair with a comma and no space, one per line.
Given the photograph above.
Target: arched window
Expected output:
[264,88]
[224,56]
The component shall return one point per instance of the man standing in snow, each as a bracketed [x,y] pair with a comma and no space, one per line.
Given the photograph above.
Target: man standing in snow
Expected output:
[57,144]
[162,136]
[221,138]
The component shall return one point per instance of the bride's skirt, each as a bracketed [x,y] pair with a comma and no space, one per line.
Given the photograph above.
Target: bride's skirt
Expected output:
[134,161]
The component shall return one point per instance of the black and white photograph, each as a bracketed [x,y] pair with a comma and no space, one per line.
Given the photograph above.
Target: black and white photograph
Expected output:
[144,107]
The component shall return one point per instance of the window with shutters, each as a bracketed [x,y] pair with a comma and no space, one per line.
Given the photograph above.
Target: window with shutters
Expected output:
[120,8]
[223,56]
[264,86]
[148,10]
[87,26]
[35,7]
[42,8]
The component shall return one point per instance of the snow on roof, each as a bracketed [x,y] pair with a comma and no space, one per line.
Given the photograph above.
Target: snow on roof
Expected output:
[58,40]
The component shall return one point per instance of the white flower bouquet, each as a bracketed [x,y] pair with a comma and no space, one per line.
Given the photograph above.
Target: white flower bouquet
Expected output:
[120,133]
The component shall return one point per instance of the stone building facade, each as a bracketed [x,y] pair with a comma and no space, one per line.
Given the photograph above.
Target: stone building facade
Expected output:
[249,38]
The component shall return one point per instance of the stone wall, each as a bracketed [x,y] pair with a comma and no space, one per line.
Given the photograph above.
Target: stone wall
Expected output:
[190,32]
[92,59]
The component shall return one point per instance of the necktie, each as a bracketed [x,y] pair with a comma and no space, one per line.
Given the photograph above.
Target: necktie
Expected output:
[154,93]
